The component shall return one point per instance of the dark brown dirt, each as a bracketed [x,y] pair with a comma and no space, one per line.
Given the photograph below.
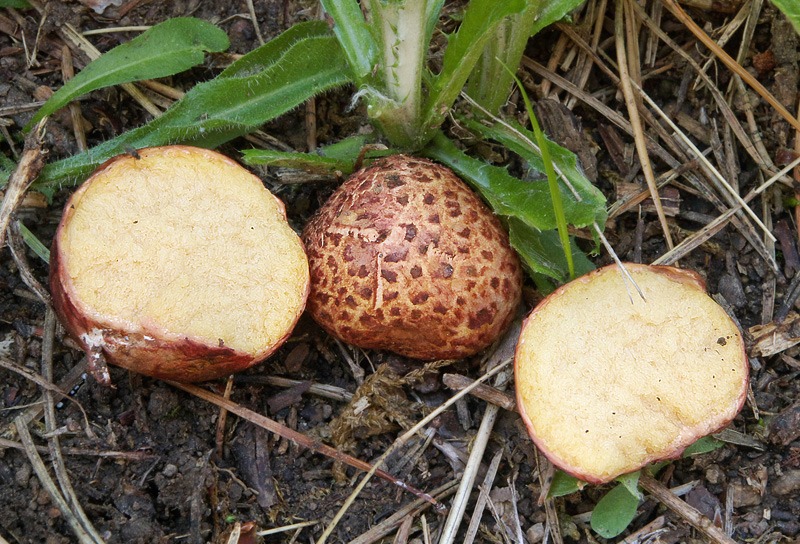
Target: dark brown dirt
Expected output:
[152,472]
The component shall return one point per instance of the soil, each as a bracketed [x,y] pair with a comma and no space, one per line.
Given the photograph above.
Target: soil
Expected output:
[154,465]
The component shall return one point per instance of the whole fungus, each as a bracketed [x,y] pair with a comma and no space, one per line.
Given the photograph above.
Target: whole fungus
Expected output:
[608,381]
[405,257]
[178,263]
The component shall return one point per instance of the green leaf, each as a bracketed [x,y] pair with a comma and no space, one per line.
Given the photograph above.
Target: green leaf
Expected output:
[551,11]
[564,484]
[703,445]
[631,482]
[614,512]
[591,207]
[165,49]
[790,8]
[219,110]
[541,251]
[16,4]
[527,200]
[354,37]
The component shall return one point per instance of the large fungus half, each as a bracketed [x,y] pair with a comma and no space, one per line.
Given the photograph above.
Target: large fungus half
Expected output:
[177,263]
[608,382]
[405,257]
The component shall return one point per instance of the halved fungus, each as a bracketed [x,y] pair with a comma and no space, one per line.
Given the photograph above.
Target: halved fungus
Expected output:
[177,263]
[608,382]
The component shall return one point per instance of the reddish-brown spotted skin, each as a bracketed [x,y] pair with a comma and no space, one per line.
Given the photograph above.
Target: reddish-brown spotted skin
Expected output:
[405,257]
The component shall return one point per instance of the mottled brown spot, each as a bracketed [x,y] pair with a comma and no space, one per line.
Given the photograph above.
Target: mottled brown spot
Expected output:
[416,314]
[436,174]
[447,270]
[382,236]
[402,200]
[465,233]
[471,285]
[349,254]
[455,212]
[391,295]
[394,311]
[463,249]
[363,272]
[428,199]
[411,232]
[367,319]
[365,185]
[335,238]
[412,164]
[471,271]
[362,216]
[495,283]
[422,178]
[473,215]
[460,301]
[434,219]
[483,317]
[393,181]
[389,276]
[506,286]
[396,256]
[419,298]
[366,293]
[352,271]
[450,194]
[342,291]
[416,272]
[344,316]
[488,255]
[332,263]
[440,309]
[351,301]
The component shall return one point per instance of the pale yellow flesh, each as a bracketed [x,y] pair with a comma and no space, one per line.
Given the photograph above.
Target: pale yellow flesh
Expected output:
[609,384]
[189,244]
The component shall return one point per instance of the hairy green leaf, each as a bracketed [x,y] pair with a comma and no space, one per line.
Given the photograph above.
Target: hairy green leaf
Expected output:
[550,11]
[221,109]
[17,4]
[790,8]
[614,512]
[581,213]
[541,251]
[165,49]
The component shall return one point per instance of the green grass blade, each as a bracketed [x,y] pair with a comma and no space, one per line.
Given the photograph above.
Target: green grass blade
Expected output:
[219,110]
[552,181]
[464,48]
[165,49]
[34,243]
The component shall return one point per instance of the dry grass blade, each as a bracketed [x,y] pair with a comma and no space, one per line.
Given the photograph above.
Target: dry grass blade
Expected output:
[83,452]
[687,512]
[483,498]
[16,245]
[28,168]
[683,17]
[298,438]
[414,509]
[398,443]
[623,61]
[286,528]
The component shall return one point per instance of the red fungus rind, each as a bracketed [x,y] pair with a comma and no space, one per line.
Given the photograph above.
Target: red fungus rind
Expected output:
[607,385]
[145,345]
[405,257]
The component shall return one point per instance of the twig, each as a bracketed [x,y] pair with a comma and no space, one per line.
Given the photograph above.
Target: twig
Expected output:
[687,512]
[320,389]
[15,244]
[67,73]
[223,416]
[298,438]
[126,455]
[484,392]
[41,472]
[286,528]
[253,19]
[30,164]
[633,111]
[50,425]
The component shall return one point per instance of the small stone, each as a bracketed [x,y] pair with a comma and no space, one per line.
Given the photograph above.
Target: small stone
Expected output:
[170,470]
[787,483]
[22,475]
[535,533]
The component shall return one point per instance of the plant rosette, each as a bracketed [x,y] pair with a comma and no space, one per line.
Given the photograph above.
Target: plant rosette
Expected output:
[178,263]
[405,257]
[608,381]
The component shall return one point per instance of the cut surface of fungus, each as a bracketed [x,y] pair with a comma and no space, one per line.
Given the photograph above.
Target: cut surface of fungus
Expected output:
[608,382]
[405,257]
[179,264]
